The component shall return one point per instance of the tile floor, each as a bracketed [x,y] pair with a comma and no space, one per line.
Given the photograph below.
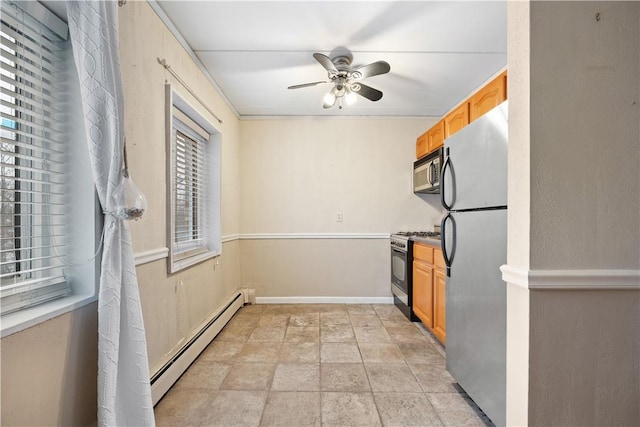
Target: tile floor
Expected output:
[319,365]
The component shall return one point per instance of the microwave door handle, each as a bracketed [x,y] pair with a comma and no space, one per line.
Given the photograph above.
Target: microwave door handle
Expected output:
[432,168]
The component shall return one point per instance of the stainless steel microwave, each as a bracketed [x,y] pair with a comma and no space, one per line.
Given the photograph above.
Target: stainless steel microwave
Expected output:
[426,173]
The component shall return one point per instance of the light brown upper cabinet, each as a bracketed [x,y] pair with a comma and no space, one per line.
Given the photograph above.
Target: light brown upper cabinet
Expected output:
[436,136]
[456,120]
[422,145]
[488,97]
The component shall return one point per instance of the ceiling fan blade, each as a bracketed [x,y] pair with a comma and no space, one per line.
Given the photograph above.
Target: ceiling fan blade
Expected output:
[366,91]
[305,85]
[325,61]
[373,69]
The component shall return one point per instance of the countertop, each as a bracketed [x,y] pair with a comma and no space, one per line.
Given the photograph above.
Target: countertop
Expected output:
[426,240]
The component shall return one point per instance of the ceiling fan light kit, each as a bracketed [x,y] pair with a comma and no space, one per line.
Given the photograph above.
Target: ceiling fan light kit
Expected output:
[345,80]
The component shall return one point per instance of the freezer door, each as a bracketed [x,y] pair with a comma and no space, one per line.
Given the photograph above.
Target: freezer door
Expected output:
[475,167]
[476,308]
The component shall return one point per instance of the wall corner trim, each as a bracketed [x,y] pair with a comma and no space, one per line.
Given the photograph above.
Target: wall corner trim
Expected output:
[571,279]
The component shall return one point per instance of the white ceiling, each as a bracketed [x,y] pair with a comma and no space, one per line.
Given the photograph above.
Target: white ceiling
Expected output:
[439,51]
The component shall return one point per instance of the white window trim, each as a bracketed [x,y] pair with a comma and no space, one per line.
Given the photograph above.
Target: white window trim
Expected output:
[213,240]
[85,278]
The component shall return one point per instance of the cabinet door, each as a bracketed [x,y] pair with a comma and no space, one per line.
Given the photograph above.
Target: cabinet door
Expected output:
[439,306]
[488,97]
[423,292]
[436,136]
[456,120]
[422,145]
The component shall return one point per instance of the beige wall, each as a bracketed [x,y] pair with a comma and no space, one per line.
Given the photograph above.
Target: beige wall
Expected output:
[574,129]
[173,305]
[49,371]
[298,173]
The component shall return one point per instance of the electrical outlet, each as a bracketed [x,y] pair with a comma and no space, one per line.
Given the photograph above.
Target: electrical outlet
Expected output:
[339,217]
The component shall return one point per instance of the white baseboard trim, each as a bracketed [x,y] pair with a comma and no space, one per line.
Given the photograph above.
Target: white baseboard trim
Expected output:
[571,279]
[324,300]
[150,255]
[274,236]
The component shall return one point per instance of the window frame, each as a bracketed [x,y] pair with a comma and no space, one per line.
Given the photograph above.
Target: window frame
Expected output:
[83,222]
[190,122]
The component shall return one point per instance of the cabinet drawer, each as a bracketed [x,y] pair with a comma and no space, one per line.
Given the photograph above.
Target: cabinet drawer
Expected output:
[438,259]
[423,253]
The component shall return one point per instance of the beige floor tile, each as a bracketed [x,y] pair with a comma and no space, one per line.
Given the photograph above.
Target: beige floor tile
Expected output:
[406,409]
[330,318]
[237,408]
[302,334]
[455,409]
[421,352]
[203,375]
[274,319]
[371,334]
[296,377]
[339,352]
[343,377]
[395,322]
[337,333]
[300,409]
[387,311]
[360,320]
[433,378]
[252,309]
[249,376]
[408,333]
[182,407]
[349,409]
[302,352]
[251,319]
[391,377]
[259,352]
[380,353]
[237,333]
[267,333]
[221,351]
[305,319]
[360,309]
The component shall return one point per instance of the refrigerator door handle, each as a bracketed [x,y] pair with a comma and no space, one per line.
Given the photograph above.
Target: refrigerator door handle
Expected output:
[447,163]
[448,257]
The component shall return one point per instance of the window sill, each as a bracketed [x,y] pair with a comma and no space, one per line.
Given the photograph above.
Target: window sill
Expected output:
[178,265]
[23,319]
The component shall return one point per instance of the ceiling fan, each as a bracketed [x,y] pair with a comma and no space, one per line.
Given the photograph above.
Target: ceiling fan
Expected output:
[347,80]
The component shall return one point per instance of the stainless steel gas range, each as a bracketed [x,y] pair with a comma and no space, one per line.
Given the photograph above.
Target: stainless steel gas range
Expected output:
[402,268]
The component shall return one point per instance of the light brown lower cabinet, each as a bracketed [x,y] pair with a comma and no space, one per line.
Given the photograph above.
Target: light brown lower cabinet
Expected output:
[423,292]
[429,286]
[439,306]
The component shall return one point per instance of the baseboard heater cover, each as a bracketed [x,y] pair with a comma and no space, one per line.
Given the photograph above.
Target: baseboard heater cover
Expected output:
[166,376]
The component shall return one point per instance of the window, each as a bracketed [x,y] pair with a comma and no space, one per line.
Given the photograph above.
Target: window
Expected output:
[37,150]
[194,185]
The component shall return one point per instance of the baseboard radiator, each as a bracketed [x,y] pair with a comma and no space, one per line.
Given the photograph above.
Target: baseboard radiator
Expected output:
[166,376]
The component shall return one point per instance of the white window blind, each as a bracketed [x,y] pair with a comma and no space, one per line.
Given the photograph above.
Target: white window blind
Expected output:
[189,190]
[32,170]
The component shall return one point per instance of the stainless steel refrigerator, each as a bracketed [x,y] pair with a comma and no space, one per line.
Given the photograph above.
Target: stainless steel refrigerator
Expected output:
[474,245]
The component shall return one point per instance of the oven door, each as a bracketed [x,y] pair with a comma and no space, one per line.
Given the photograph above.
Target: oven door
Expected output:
[399,275]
